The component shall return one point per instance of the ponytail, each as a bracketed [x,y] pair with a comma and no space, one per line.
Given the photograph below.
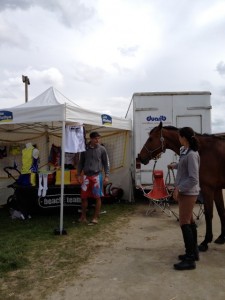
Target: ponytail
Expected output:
[194,145]
[189,134]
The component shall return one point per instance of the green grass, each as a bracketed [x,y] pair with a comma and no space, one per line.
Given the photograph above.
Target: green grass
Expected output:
[33,259]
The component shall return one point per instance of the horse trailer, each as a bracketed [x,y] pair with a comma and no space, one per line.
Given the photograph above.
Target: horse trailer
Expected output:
[178,109]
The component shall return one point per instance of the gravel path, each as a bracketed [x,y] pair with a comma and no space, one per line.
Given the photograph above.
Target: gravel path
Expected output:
[139,265]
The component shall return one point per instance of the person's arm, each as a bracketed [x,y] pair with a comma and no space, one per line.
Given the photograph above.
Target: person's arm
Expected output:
[80,167]
[106,165]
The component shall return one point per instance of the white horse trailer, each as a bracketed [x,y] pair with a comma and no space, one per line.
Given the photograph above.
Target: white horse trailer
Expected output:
[177,109]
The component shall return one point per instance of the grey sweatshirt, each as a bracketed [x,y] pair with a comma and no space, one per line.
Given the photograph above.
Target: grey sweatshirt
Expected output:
[187,179]
[93,161]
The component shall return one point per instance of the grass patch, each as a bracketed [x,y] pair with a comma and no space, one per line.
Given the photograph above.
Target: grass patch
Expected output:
[34,261]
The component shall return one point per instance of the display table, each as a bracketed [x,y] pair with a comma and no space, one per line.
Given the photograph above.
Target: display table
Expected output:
[28,197]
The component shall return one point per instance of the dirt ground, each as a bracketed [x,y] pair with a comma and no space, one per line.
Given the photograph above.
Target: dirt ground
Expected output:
[139,265]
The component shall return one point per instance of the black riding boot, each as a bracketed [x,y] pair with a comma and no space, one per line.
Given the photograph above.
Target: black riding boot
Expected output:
[195,237]
[189,262]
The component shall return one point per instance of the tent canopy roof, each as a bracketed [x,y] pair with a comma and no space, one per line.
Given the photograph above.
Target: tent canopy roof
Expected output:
[48,98]
[52,106]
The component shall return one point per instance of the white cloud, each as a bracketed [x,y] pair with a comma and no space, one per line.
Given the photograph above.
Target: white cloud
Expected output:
[8,36]
[9,96]
[99,52]
[51,76]
[70,12]
[212,14]
[221,68]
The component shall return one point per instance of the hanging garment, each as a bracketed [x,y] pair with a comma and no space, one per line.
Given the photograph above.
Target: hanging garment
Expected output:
[55,156]
[27,160]
[30,159]
[69,160]
[3,152]
[74,139]
[14,150]
[42,189]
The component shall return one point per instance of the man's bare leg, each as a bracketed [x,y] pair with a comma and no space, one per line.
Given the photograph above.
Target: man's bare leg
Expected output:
[97,210]
[84,205]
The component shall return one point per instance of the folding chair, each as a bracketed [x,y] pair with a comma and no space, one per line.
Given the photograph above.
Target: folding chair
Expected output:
[200,210]
[159,195]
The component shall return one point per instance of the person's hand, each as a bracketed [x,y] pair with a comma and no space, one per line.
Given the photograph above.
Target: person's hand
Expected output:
[175,194]
[80,179]
[106,179]
[171,166]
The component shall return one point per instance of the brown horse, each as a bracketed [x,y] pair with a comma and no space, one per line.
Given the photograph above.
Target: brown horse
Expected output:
[212,171]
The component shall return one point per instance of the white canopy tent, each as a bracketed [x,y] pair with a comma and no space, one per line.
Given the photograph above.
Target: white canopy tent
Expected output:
[51,111]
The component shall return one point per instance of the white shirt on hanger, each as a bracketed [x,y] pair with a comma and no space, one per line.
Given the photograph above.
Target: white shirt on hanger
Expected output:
[74,139]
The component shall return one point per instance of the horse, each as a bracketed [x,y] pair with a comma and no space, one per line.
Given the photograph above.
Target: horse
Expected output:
[211,173]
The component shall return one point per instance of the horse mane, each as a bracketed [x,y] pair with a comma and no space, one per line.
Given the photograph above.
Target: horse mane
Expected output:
[207,135]
[219,137]
[167,127]
[171,127]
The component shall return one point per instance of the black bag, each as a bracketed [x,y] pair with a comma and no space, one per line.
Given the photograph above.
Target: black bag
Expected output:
[112,193]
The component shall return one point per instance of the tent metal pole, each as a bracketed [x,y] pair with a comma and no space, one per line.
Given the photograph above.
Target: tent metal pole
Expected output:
[62,179]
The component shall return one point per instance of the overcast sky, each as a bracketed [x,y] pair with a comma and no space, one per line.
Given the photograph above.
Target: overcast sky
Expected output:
[99,52]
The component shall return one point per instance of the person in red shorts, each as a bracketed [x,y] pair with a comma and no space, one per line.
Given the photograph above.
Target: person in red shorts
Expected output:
[92,163]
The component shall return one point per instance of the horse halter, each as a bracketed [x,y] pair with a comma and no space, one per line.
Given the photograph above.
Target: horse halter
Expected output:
[160,147]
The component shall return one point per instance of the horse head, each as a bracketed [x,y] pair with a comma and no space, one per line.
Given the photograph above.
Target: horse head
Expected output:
[154,145]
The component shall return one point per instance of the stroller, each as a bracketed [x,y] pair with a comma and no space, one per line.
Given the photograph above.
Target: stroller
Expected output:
[16,208]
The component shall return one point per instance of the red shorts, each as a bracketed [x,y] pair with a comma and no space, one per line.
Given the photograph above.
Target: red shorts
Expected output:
[92,186]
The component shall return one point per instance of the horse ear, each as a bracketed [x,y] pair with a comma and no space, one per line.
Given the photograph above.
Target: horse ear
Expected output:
[160,125]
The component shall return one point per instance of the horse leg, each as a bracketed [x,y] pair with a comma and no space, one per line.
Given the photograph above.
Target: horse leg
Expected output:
[207,194]
[221,212]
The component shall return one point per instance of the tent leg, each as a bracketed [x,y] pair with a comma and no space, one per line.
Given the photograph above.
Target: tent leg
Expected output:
[61,230]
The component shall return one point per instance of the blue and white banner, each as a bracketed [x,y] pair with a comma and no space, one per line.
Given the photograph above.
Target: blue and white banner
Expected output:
[6,116]
[106,120]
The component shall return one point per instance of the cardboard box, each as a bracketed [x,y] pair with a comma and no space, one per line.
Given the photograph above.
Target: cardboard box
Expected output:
[66,177]
[73,177]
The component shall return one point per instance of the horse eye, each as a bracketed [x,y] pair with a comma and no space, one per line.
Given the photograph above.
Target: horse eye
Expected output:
[149,139]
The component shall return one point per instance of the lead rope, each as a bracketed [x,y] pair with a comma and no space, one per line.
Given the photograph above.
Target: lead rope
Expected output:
[154,169]
[168,176]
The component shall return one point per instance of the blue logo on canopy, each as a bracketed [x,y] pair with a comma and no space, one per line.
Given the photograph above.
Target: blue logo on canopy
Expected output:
[6,116]
[106,120]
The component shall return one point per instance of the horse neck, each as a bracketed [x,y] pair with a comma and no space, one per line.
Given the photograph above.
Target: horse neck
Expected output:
[172,140]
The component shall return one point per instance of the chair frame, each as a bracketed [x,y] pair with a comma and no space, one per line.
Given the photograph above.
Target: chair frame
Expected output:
[201,211]
[163,203]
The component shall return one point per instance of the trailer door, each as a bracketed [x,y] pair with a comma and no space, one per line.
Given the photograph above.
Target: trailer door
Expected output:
[193,121]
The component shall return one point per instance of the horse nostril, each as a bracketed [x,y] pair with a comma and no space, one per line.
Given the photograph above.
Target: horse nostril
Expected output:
[141,160]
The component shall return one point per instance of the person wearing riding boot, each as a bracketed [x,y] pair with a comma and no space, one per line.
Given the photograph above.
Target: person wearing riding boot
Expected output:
[186,192]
